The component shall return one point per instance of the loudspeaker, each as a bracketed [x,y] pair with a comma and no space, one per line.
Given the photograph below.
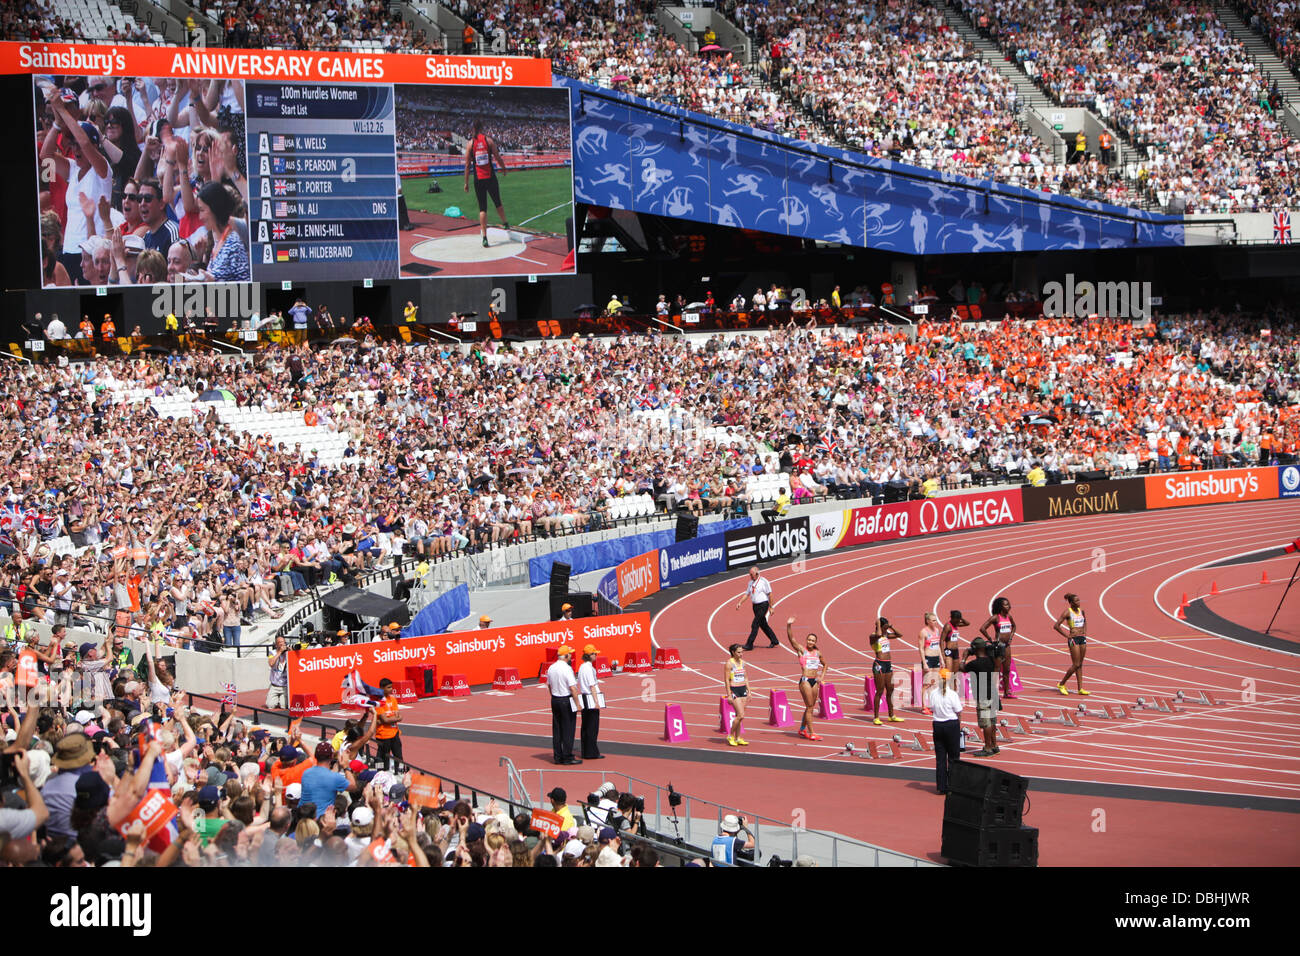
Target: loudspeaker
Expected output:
[974,811]
[1089,476]
[965,845]
[560,577]
[986,784]
[584,603]
[688,526]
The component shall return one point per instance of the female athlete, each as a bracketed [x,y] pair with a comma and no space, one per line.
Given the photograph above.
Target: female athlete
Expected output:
[931,657]
[812,668]
[1072,625]
[1004,626]
[883,669]
[736,686]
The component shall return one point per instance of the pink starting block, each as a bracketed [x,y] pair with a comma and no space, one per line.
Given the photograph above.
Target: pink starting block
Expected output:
[675,724]
[779,710]
[828,702]
[918,686]
[726,714]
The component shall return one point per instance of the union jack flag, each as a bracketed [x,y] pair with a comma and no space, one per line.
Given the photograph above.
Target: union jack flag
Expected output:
[1282,227]
[281,210]
[278,144]
[279,187]
[277,230]
[260,508]
[228,690]
[828,444]
[11,517]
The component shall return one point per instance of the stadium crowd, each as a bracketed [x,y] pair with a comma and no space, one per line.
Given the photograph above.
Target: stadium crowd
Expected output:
[144,180]
[40,20]
[1279,22]
[1174,81]
[315,25]
[106,764]
[188,529]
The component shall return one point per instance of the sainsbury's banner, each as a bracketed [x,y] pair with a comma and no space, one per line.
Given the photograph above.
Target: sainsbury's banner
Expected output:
[1211,487]
[638,577]
[301,65]
[476,654]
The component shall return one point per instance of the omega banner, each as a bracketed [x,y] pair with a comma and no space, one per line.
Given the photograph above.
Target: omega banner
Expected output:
[475,654]
[1084,498]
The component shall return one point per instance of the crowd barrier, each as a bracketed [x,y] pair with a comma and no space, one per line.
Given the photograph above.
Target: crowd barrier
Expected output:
[668,565]
[608,554]
[466,658]
[440,613]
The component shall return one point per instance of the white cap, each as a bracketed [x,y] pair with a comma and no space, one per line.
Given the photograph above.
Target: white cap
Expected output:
[363,817]
[731,823]
[84,717]
[575,848]
[293,791]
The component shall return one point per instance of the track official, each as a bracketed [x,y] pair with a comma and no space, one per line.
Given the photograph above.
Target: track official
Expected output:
[592,702]
[565,701]
[946,705]
[759,592]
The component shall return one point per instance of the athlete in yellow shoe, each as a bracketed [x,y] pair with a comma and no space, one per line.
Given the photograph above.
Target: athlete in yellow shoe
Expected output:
[1072,625]
[736,687]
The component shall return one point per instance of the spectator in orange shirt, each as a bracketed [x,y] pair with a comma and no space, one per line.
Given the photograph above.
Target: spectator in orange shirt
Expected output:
[387,716]
[293,762]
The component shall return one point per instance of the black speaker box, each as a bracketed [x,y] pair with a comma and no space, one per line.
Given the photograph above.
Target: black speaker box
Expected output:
[974,811]
[560,577]
[688,526]
[986,783]
[584,603]
[966,845]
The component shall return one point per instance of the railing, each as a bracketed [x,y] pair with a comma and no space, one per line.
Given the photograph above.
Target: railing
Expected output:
[772,837]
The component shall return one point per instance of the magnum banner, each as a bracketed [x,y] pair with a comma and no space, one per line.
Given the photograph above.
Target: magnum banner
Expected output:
[1084,498]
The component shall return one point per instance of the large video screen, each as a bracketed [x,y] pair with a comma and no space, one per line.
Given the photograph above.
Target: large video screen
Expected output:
[294,167]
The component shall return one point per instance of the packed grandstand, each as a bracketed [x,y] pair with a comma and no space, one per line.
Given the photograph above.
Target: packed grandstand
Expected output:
[155,504]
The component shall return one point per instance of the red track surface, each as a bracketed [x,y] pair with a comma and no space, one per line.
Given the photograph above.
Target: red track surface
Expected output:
[1146,774]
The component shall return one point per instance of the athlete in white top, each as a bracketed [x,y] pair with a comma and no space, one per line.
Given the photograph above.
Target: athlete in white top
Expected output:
[736,686]
[1073,626]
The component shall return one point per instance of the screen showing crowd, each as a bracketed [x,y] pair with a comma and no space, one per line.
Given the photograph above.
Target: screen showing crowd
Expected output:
[141,180]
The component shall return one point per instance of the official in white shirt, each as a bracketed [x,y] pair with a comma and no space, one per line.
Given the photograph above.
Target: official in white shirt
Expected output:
[563,686]
[759,592]
[946,704]
[592,701]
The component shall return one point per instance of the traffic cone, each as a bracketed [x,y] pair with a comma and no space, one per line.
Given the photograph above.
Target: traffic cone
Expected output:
[1183,602]
[1214,587]
[1182,614]
[1263,578]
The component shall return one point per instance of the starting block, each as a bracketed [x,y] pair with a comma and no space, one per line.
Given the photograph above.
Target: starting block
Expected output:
[1103,714]
[1203,697]
[1004,731]
[1167,706]
[1070,719]
[1026,725]
[1118,712]
[921,744]
[877,750]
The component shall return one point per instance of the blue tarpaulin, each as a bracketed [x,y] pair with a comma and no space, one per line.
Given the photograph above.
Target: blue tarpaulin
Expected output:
[440,613]
[608,554]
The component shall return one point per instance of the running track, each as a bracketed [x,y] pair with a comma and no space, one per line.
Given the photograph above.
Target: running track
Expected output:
[1217,785]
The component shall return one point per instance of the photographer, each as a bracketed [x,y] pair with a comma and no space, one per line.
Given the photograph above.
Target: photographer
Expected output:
[277,695]
[602,806]
[631,814]
[728,847]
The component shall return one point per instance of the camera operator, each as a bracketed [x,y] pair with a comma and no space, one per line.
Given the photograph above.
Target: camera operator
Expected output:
[630,816]
[602,805]
[277,695]
[728,846]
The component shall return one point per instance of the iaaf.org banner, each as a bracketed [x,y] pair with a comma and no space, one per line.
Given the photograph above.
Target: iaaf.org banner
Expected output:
[87,60]
[766,542]
[983,509]
[475,654]
[1211,487]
